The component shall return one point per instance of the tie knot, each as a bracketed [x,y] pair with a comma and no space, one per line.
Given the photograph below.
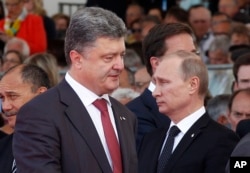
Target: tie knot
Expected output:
[100,104]
[174,131]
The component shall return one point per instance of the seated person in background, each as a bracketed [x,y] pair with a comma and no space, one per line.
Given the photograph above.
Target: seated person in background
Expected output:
[239,34]
[55,48]
[155,11]
[232,9]
[36,7]
[142,79]
[61,23]
[239,107]
[124,95]
[19,45]
[18,86]
[241,71]
[135,35]
[147,23]
[126,78]
[134,11]
[48,63]
[176,14]
[221,24]
[10,59]
[18,23]
[218,52]
[200,21]
[217,109]
[132,60]
[220,80]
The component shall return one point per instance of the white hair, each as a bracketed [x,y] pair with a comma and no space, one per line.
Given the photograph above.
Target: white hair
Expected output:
[25,47]
[121,93]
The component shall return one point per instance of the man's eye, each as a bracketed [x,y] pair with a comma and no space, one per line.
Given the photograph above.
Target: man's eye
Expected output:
[108,58]
[237,114]
[12,97]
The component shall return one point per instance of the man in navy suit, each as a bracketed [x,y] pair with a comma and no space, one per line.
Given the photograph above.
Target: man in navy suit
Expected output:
[161,40]
[63,131]
[202,145]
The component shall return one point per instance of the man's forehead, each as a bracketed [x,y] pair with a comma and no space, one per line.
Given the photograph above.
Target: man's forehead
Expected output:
[12,82]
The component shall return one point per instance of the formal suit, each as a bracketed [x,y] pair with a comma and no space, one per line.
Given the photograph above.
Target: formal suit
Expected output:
[148,115]
[205,147]
[6,155]
[54,133]
[242,149]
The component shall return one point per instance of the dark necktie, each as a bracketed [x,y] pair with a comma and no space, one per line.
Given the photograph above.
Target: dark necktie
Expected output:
[111,140]
[167,150]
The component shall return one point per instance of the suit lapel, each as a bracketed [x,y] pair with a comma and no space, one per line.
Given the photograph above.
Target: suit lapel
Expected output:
[121,125]
[187,140]
[80,119]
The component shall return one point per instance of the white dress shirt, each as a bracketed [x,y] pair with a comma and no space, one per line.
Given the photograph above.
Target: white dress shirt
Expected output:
[184,125]
[88,97]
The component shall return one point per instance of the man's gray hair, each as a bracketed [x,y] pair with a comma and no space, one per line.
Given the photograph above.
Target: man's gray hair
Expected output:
[220,42]
[218,106]
[25,47]
[90,23]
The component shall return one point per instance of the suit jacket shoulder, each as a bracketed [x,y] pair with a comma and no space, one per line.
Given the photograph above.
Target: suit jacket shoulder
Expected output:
[65,135]
[205,147]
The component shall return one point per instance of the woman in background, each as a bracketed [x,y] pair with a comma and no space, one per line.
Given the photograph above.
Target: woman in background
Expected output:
[48,63]
[36,7]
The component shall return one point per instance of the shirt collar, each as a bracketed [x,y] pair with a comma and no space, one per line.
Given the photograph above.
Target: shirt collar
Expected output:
[151,86]
[86,96]
[185,124]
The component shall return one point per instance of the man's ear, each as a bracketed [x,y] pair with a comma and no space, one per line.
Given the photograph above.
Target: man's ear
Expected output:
[194,83]
[76,58]
[154,61]
[222,119]
[42,90]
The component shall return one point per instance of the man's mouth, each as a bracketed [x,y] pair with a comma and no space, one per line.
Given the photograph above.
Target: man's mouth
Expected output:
[9,114]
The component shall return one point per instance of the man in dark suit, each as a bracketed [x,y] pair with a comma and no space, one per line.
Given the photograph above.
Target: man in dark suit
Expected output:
[64,130]
[161,40]
[202,145]
[17,86]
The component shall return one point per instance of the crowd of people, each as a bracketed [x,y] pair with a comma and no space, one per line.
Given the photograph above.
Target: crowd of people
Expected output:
[158,89]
